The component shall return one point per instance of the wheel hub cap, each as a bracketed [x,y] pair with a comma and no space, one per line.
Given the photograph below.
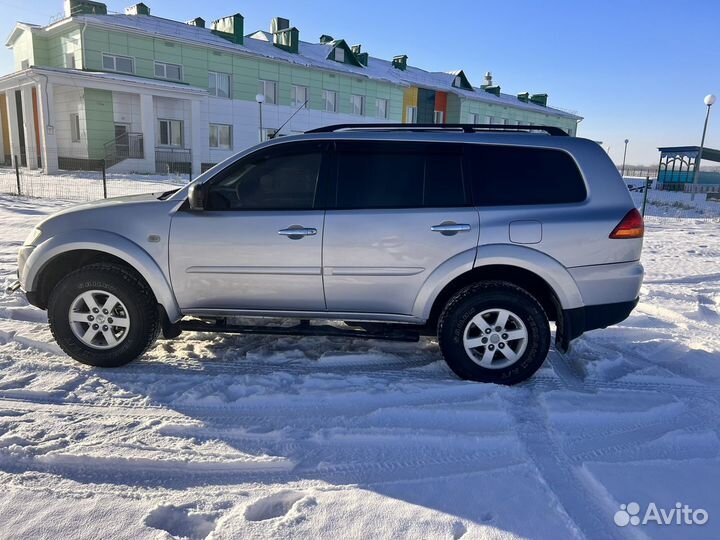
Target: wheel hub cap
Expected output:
[495,338]
[99,319]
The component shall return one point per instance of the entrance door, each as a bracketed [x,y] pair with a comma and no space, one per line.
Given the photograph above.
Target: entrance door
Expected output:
[258,243]
[122,145]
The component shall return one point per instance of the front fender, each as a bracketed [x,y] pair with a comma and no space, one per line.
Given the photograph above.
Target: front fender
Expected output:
[105,242]
[540,264]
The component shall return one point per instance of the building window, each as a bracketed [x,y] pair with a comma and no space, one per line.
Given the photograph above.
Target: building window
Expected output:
[269,90]
[221,136]
[70,60]
[339,54]
[172,72]
[438,117]
[170,133]
[218,84]
[411,116]
[381,108]
[474,118]
[330,99]
[121,64]
[358,104]
[299,96]
[75,127]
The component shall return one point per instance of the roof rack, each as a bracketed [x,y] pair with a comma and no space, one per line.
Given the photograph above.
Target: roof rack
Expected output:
[465,128]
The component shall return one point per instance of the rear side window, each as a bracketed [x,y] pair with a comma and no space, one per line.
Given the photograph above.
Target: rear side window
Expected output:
[515,175]
[399,175]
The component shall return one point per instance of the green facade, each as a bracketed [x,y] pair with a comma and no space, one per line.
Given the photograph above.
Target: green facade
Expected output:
[245,72]
[99,121]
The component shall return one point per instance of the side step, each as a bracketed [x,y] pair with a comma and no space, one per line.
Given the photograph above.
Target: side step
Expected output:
[304,328]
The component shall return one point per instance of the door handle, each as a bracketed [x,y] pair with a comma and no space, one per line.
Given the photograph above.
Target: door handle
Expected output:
[296,232]
[450,228]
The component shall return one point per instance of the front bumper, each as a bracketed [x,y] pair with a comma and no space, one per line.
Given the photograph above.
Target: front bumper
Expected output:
[575,322]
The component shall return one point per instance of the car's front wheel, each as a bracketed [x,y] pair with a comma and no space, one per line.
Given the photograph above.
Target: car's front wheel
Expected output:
[494,332]
[103,315]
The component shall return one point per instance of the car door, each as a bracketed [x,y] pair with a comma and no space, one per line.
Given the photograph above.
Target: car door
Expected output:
[257,245]
[401,210]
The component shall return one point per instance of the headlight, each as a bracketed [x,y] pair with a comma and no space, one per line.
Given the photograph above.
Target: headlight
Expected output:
[33,237]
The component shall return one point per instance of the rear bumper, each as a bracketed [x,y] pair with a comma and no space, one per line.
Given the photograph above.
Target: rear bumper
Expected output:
[575,322]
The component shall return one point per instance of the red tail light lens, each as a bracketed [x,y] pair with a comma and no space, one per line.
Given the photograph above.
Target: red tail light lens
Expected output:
[631,226]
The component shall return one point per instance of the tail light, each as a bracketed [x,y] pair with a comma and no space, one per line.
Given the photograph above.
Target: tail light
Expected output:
[631,226]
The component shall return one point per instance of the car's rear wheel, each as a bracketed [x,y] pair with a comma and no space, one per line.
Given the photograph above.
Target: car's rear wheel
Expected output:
[103,315]
[494,332]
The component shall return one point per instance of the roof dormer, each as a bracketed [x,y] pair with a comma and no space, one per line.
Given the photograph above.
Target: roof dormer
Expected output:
[460,81]
[342,53]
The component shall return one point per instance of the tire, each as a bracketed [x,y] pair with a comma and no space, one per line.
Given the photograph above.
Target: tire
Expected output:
[133,330]
[465,322]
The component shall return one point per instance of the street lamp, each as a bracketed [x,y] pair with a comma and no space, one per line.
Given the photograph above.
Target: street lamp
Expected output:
[709,100]
[624,156]
[260,98]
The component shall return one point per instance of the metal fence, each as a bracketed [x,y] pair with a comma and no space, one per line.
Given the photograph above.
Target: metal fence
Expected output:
[661,205]
[84,180]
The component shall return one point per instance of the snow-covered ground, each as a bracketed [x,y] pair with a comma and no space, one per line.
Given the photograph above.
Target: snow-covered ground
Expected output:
[225,437]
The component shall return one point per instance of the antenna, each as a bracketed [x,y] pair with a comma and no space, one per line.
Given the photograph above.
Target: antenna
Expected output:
[291,117]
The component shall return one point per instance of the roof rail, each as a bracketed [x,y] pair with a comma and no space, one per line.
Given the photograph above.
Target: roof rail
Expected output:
[465,128]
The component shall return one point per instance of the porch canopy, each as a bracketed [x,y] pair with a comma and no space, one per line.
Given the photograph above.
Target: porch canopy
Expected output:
[678,164]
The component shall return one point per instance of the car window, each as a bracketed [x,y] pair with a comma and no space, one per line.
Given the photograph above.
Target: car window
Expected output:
[279,179]
[515,175]
[398,175]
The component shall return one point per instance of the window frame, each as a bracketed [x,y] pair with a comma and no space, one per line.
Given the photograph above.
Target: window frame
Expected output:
[408,119]
[326,93]
[435,117]
[385,101]
[264,84]
[217,75]
[165,65]
[114,59]
[305,102]
[325,173]
[170,137]
[339,54]
[75,126]
[424,149]
[230,136]
[362,104]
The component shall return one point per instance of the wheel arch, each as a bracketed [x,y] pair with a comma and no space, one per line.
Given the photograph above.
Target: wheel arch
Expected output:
[542,276]
[58,256]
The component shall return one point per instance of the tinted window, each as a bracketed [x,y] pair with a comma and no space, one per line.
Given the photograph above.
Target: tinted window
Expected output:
[399,175]
[284,179]
[513,175]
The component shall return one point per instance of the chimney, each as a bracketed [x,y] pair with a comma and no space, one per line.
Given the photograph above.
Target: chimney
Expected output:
[137,9]
[83,7]
[488,80]
[326,39]
[284,37]
[278,23]
[197,21]
[539,99]
[400,62]
[230,28]
[361,56]
[524,97]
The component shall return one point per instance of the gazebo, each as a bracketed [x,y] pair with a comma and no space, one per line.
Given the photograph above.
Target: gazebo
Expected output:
[678,164]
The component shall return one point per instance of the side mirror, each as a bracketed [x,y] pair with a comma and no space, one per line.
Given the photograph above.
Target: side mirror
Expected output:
[196,196]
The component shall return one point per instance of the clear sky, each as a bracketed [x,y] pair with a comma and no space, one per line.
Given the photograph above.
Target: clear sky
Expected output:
[632,69]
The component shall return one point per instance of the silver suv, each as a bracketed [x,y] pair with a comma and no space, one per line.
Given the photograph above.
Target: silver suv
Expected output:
[479,235]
